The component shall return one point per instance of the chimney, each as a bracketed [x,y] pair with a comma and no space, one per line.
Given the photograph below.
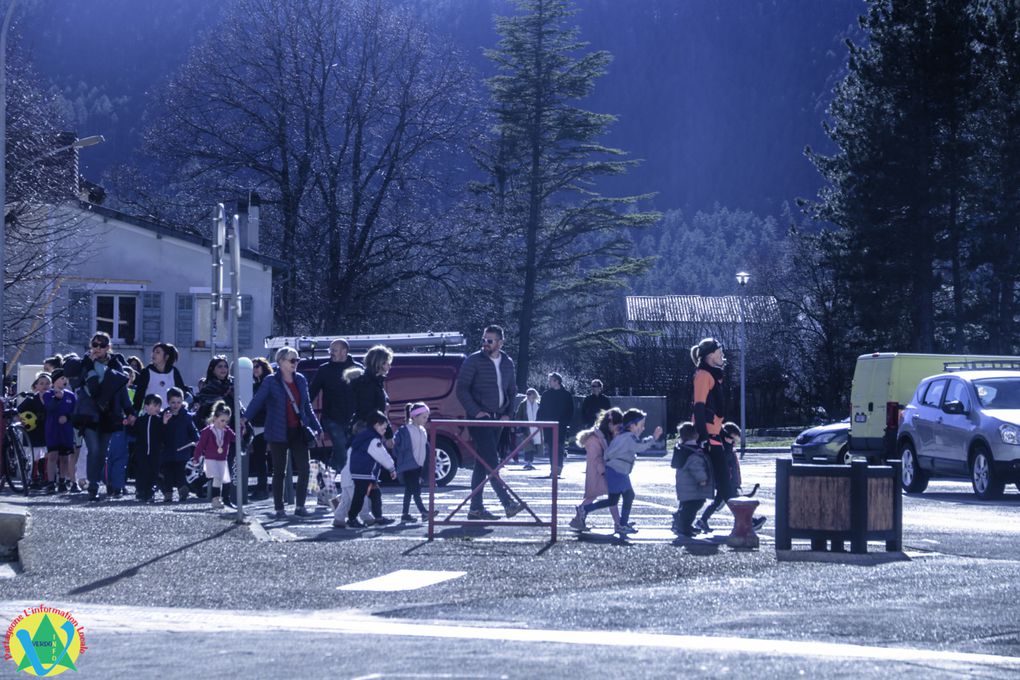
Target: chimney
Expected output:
[248,224]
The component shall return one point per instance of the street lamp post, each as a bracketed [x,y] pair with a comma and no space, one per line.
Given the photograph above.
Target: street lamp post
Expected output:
[3,188]
[742,279]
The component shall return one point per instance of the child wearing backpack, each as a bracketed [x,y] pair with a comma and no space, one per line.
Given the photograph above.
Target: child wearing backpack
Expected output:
[693,480]
[179,438]
[411,447]
[620,457]
[214,442]
[367,455]
[32,413]
[59,403]
[147,447]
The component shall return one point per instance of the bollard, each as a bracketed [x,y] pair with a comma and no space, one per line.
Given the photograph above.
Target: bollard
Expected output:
[743,535]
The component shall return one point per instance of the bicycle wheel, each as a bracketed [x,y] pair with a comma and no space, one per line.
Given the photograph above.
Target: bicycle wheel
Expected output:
[16,460]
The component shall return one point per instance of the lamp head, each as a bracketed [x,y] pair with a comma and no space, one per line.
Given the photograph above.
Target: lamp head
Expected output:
[743,277]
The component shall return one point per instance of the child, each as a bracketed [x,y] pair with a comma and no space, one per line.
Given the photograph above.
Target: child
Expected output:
[59,402]
[32,414]
[213,443]
[179,436]
[595,441]
[367,455]
[620,456]
[528,410]
[730,434]
[147,447]
[693,479]
[411,447]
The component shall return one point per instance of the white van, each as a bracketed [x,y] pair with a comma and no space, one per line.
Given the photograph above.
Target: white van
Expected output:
[883,384]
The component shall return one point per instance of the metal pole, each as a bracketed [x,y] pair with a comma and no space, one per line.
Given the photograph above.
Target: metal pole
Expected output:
[3,190]
[235,298]
[743,385]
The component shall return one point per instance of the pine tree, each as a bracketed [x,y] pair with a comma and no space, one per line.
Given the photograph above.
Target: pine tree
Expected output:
[567,245]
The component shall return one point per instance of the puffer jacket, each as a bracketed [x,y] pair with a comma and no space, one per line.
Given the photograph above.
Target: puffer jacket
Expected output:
[694,478]
[273,400]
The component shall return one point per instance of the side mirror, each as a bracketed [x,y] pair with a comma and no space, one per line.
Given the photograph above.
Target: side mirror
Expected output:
[954,407]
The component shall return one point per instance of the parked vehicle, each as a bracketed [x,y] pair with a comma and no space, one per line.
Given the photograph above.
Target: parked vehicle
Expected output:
[883,383]
[823,444]
[963,424]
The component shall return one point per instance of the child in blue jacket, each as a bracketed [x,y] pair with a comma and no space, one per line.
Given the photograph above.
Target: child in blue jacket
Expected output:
[179,438]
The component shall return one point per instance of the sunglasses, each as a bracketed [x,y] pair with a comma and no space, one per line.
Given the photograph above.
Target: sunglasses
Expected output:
[100,345]
[490,341]
[292,360]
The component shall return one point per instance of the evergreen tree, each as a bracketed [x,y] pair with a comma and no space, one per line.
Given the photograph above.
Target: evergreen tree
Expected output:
[564,246]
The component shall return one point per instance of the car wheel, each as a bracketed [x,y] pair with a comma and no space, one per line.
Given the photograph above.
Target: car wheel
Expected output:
[446,462]
[987,485]
[845,457]
[915,480]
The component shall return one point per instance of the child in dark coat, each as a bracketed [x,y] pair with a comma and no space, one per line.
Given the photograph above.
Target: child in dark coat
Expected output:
[693,479]
[147,447]
[59,403]
[179,438]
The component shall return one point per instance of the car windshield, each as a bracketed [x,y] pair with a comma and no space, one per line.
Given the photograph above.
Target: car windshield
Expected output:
[1000,393]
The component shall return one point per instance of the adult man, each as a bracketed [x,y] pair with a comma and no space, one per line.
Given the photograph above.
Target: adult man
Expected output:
[594,404]
[557,404]
[337,400]
[486,386]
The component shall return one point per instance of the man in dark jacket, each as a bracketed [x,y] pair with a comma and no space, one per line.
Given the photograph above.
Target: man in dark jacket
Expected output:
[486,387]
[337,399]
[594,404]
[557,404]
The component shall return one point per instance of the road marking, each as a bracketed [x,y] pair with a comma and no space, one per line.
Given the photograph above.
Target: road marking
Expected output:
[403,579]
[110,619]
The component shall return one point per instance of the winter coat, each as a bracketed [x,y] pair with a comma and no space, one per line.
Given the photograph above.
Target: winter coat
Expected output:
[148,432]
[368,454]
[151,381]
[592,406]
[34,404]
[594,443]
[212,391]
[59,436]
[522,414]
[694,477]
[403,450]
[109,393]
[557,405]
[179,437]
[368,393]
[622,451]
[207,444]
[273,400]
[337,395]
[478,386]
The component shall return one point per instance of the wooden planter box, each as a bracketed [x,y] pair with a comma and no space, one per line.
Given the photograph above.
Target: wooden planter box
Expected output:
[836,503]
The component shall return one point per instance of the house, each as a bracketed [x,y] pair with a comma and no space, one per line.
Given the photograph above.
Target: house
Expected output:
[144,281]
[689,318]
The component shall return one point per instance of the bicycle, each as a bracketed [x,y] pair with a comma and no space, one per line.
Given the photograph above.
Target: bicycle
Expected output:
[16,466]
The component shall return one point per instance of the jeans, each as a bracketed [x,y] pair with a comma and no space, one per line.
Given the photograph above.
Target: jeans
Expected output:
[299,457]
[117,460]
[412,490]
[257,464]
[614,498]
[486,440]
[338,436]
[97,443]
[688,511]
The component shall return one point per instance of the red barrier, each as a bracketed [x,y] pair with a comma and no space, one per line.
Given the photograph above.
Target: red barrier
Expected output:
[493,472]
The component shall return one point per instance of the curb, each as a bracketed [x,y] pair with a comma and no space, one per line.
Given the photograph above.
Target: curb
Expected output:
[258,531]
[14,524]
[864,560]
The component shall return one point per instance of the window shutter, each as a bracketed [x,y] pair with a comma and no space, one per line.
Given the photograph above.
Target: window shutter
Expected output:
[79,317]
[244,324]
[185,336]
[152,318]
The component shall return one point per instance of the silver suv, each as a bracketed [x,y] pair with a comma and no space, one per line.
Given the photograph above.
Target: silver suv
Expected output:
[963,424]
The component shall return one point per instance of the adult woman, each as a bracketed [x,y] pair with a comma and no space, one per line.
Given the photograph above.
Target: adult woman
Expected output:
[595,440]
[259,464]
[159,376]
[283,397]
[367,387]
[709,415]
[104,382]
[217,386]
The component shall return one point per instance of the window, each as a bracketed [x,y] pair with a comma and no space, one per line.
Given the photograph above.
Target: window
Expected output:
[958,392]
[933,396]
[117,315]
[203,321]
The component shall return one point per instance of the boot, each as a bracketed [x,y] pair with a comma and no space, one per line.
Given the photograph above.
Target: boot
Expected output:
[228,495]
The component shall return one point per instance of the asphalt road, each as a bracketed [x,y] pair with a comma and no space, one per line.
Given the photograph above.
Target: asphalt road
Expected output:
[169,591]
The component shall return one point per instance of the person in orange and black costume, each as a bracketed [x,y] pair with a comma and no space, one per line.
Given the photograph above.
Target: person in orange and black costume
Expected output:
[709,411]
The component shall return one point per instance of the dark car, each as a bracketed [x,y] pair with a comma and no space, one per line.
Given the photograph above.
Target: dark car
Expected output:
[823,444]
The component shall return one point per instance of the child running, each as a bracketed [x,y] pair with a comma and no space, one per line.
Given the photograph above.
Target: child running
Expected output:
[620,456]
[367,455]
[411,446]
[213,444]
[693,480]
[595,441]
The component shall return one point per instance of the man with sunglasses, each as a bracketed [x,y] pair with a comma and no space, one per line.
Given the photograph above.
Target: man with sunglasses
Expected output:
[486,387]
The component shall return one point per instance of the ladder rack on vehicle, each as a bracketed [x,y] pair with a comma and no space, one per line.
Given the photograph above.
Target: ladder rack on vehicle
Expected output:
[432,341]
[989,365]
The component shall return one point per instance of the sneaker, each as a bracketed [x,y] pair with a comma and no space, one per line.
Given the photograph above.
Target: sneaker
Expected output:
[623,530]
[758,522]
[116,493]
[302,512]
[280,514]
[217,503]
[93,497]
[51,489]
[367,521]
[513,509]
[702,526]
[528,466]
[168,497]
[355,523]
[482,514]
[182,493]
[629,528]
[426,515]
[407,518]
[339,524]
[384,521]
[73,488]
[578,523]
[62,487]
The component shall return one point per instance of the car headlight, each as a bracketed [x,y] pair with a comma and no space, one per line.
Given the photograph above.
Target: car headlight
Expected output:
[1010,434]
[825,437]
